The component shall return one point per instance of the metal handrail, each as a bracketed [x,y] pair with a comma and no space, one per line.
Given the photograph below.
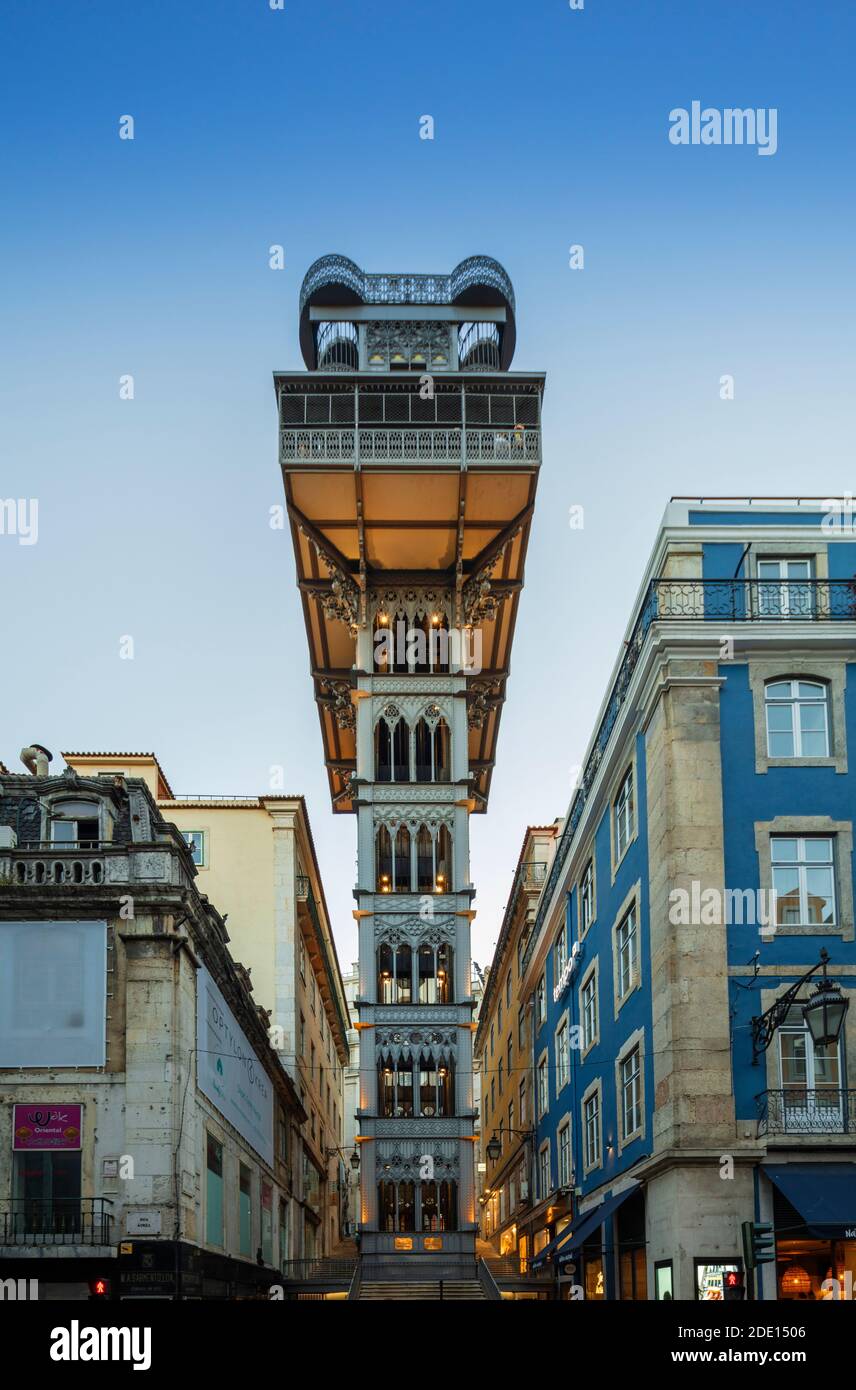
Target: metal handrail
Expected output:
[78,1221]
[821,1110]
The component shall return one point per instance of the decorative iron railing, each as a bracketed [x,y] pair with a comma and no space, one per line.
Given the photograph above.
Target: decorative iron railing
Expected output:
[721,601]
[516,444]
[802,1110]
[321,1271]
[85,1221]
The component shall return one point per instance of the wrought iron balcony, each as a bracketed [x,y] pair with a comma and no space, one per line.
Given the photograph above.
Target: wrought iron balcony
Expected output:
[802,1110]
[512,445]
[719,601]
[753,600]
[85,1221]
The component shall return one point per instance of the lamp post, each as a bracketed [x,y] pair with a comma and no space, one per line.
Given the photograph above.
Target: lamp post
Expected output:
[824,1011]
[493,1147]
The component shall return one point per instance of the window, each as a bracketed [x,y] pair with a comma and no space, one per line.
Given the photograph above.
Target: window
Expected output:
[196,839]
[245,1211]
[543,1091]
[75,823]
[785,589]
[302,1036]
[395,1084]
[563,1060]
[803,880]
[510,1120]
[561,954]
[301,958]
[499,1013]
[395,972]
[397,1206]
[46,1186]
[313,994]
[438,1203]
[282,1137]
[509,1056]
[623,812]
[493,1095]
[626,951]
[214,1192]
[521,1028]
[521,1095]
[435,974]
[436,1087]
[588,1010]
[631,1093]
[587,898]
[811,1099]
[508,990]
[541,1002]
[266,1221]
[544,1172]
[565,1155]
[500,1075]
[591,1127]
[492,1038]
[797,719]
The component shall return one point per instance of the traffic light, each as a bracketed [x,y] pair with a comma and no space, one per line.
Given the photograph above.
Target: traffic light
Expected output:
[733,1286]
[759,1243]
[99,1288]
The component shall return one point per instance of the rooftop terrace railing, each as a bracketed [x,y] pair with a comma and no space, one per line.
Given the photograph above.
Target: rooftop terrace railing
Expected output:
[694,600]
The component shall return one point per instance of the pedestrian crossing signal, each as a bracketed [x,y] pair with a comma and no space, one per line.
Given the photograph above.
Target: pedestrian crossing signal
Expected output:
[99,1288]
[733,1288]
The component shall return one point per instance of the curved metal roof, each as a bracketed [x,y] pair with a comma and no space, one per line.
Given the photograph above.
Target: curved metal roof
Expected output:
[336,280]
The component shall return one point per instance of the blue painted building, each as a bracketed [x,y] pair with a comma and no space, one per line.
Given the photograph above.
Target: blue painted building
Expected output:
[704,866]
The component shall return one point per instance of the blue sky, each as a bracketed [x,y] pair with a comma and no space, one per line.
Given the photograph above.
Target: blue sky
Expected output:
[300,127]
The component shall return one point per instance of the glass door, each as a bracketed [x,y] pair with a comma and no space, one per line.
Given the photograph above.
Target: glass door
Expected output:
[811,1083]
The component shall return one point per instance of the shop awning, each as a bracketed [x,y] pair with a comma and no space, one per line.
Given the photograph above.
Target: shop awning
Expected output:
[573,1236]
[824,1194]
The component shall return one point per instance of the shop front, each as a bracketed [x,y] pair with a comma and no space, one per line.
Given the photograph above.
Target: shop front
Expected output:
[814,1220]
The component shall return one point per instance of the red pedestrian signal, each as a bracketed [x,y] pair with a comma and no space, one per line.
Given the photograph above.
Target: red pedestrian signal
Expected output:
[99,1288]
[733,1288]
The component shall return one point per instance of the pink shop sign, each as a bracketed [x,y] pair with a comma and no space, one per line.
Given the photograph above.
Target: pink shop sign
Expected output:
[47,1126]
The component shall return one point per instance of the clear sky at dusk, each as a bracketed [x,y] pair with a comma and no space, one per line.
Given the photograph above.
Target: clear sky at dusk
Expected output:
[300,127]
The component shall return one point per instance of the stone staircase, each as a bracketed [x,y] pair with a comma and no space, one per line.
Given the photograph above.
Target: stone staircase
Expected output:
[451,1290]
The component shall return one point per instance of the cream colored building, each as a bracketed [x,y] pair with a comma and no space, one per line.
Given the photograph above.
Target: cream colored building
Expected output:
[256,860]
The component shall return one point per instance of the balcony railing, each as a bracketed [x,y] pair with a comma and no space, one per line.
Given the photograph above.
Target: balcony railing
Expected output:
[84,1221]
[696,600]
[512,445]
[801,1110]
[54,864]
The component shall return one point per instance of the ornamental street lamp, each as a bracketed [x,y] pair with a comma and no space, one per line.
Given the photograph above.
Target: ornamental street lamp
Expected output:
[823,1011]
[493,1147]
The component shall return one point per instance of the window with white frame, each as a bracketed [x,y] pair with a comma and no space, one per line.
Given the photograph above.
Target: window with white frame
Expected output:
[587,897]
[564,1152]
[591,1129]
[810,1076]
[626,952]
[784,588]
[630,1074]
[541,1002]
[561,954]
[803,870]
[588,1009]
[544,1171]
[623,812]
[196,841]
[563,1057]
[543,1087]
[797,719]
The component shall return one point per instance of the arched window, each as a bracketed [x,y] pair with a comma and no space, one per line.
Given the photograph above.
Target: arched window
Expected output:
[435,974]
[395,1088]
[443,866]
[382,752]
[394,974]
[75,823]
[424,860]
[431,743]
[439,1206]
[797,719]
[401,867]
[396,1206]
[436,1087]
[383,860]
[392,748]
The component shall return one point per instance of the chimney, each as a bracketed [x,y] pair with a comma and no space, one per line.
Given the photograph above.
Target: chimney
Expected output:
[36,759]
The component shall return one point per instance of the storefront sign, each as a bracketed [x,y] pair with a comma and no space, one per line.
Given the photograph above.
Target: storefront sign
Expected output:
[228,1071]
[47,1126]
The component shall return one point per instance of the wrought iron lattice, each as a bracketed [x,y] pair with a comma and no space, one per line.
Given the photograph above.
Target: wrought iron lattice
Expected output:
[806,1110]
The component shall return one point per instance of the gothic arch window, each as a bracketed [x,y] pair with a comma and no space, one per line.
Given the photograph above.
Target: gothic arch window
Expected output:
[396,1206]
[438,1202]
[394,973]
[392,747]
[424,860]
[443,861]
[401,878]
[434,965]
[383,860]
[436,1086]
[395,1088]
[431,750]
